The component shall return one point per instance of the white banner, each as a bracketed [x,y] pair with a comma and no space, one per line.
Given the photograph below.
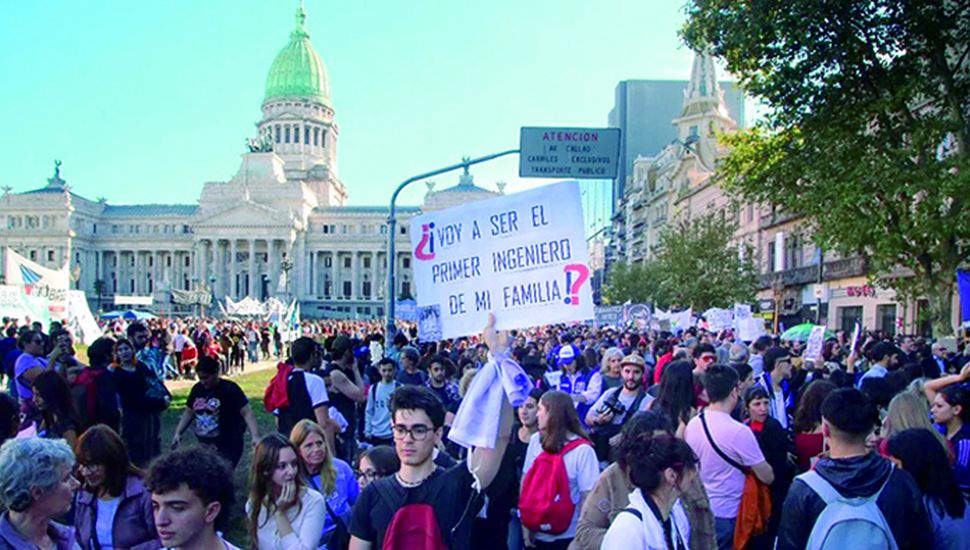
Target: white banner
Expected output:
[38,281]
[522,256]
[79,320]
[16,304]
[121,300]
[719,319]
[751,328]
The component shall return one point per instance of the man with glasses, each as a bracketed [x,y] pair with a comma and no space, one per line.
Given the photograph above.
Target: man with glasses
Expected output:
[453,494]
[704,356]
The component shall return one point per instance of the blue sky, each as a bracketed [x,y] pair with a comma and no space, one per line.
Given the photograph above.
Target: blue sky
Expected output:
[145,101]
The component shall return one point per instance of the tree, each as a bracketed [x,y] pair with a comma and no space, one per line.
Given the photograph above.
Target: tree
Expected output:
[99,288]
[638,283]
[700,266]
[867,128]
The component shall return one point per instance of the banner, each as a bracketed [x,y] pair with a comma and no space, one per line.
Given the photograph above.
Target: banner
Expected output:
[751,328]
[79,319]
[38,281]
[719,319]
[611,316]
[245,307]
[16,304]
[963,285]
[407,310]
[522,256]
[191,297]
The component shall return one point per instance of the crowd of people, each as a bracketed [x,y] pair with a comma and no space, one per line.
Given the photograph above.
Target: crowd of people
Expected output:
[617,439]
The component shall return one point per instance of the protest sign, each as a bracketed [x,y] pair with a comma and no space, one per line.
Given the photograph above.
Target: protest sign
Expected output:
[522,256]
[611,316]
[640,315]
[719,319]
[751,328]
[79,320]
[855,336]
[813,347]
[38,281]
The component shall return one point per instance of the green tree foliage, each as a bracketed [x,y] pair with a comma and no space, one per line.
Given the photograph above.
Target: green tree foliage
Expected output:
[696,266]
[867,128]
[638,283]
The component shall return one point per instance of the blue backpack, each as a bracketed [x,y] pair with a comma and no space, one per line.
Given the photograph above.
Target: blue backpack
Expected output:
[858,519]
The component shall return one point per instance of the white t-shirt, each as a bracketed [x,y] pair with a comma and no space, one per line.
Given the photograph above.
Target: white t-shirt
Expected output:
[107,509]
[779,399]
[316,388]
[583,470]
[625,400]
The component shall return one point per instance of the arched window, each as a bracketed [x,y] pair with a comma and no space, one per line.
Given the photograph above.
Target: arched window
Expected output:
[286,133]
[316,136]
[277,133]
[306,135]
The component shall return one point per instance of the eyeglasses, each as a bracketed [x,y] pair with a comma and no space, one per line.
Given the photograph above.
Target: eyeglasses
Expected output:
[708,358]
[369,475]
[418,432]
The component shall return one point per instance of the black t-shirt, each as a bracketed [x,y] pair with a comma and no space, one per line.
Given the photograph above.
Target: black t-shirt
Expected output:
[416,379]
[217,416]
[449,492]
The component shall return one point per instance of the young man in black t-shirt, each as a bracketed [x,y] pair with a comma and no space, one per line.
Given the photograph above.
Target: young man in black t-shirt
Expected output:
[220,410]
[418,415]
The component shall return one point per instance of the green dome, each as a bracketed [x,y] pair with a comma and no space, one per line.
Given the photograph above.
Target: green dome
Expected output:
[297,72]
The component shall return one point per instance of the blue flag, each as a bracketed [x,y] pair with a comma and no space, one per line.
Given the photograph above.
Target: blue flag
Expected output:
[963,284]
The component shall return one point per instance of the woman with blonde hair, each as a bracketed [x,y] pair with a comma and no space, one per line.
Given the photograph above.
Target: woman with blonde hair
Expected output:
[331,477]
[284,514]
[906,411]
[610,368]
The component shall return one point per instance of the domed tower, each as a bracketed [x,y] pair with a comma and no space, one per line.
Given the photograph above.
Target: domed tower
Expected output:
[298,116]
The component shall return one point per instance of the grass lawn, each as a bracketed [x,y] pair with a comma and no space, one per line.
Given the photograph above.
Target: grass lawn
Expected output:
[253,385]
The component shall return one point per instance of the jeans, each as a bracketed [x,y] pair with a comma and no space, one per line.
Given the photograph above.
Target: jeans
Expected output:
[724,530]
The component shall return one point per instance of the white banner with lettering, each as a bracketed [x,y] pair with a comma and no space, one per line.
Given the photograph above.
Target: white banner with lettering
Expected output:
[39,281]
[522,256]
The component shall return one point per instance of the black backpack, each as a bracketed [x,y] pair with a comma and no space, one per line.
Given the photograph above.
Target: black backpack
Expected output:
[299,407]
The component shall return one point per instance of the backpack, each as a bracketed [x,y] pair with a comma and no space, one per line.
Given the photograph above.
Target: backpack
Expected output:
[545,504]
[85,391]
[275,395]
[844,519]
[414,526]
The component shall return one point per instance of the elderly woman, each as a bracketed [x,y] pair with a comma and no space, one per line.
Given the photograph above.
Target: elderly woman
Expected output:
[36,485]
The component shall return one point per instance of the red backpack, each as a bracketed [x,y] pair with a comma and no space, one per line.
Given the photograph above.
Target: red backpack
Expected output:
[413,527]
[545,504]
[275,396]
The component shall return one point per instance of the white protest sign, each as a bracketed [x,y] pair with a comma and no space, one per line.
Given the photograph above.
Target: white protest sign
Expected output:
[813,347]
[855,336]
[751,328]
[719,319]
[522,256]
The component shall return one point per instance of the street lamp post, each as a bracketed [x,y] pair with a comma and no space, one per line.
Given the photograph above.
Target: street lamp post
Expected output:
[286,264]
[212,287]
[392,226]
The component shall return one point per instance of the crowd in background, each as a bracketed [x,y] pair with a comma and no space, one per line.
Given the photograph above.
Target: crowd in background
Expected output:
[690,440]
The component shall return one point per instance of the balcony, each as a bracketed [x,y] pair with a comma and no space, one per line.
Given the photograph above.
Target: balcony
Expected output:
[838,269]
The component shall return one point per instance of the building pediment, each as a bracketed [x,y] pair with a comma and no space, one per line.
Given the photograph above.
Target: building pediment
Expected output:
[245,213]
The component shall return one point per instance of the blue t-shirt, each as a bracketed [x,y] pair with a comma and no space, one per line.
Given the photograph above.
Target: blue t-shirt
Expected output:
[342,498]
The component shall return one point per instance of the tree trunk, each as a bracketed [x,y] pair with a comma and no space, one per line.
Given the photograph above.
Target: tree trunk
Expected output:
[940,297]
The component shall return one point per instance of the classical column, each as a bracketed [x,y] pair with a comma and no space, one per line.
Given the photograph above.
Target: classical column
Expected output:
[271,266]
[334,291]
[153,271]
[137,273]
[233,270]
[354,290]
[299,269]
[375,276]
[100,265]
[252,269]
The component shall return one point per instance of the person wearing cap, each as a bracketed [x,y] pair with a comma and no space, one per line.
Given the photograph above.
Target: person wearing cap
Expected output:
[617,405]
[575,378]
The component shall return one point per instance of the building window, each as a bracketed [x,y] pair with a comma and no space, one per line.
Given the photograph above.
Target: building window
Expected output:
[406,262]
[286,134]
[347,289]
[347,262]
[366,262]
[406,288]
[306,135]
[849,316]
[771,257]
[886,319]
[316,137]
[383,230]
[793,252]
[327,261]
[277,133]
[168,261]
[50,255]
[404,230]
[33,255]
[366,289]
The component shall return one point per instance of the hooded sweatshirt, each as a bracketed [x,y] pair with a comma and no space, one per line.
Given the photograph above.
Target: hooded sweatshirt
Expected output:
[859,476]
